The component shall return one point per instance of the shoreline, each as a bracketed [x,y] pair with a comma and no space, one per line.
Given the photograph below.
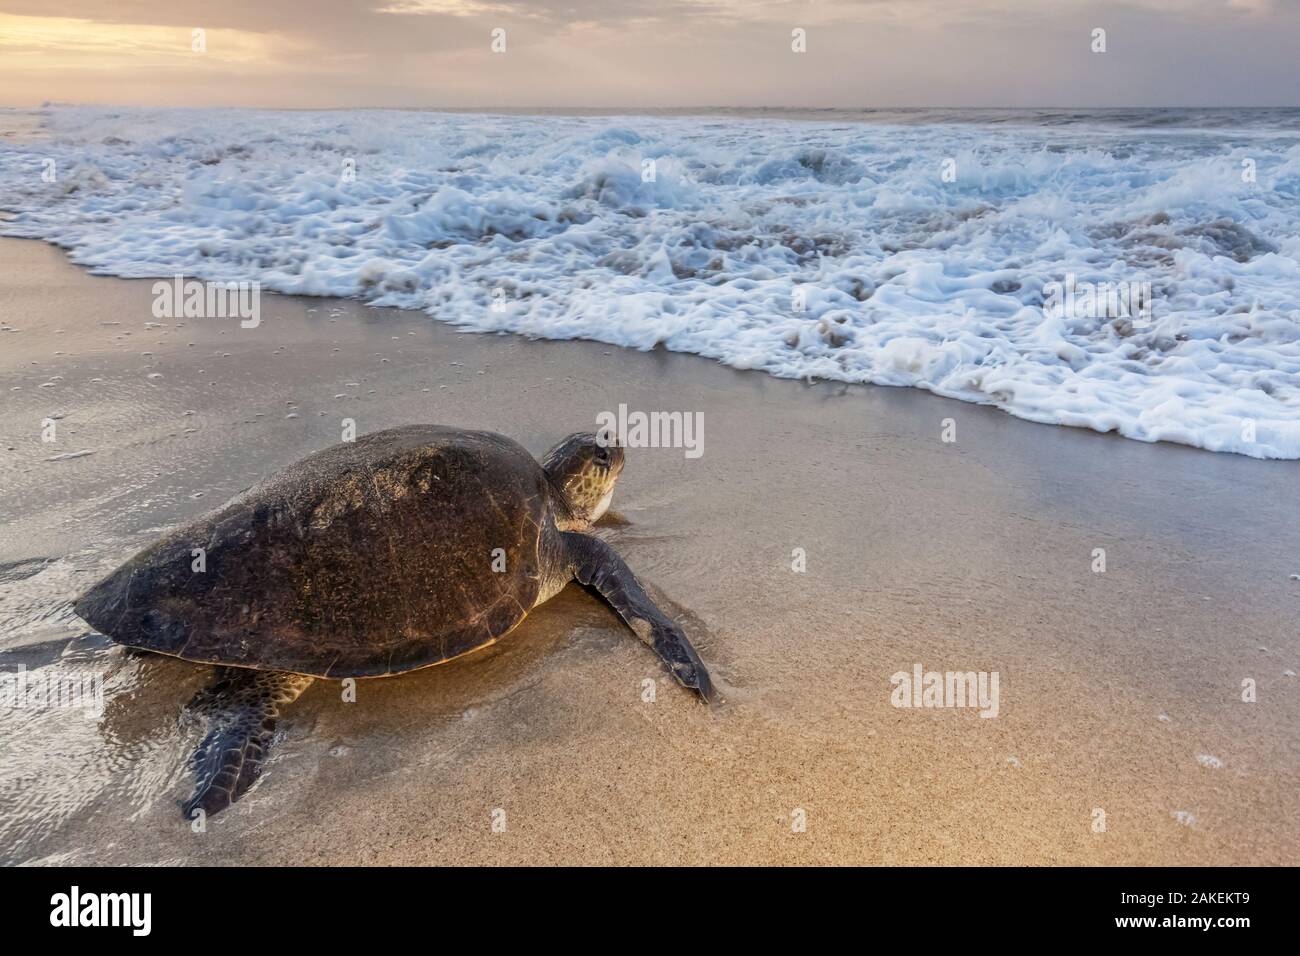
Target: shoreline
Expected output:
[973,555]
[669,233]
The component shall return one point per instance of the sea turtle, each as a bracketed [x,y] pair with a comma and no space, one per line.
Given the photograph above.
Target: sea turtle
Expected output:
[401,549]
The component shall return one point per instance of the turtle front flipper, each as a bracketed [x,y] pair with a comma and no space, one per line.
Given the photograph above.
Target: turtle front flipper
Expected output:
[598,565]
[241,707]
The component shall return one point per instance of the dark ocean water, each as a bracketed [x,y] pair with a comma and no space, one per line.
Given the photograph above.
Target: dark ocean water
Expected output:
[1262,118]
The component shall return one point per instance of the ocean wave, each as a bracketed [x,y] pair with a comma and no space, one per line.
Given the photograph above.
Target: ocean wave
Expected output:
[898,253]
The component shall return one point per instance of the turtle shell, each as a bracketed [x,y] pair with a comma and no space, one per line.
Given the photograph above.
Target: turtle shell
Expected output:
[369,558]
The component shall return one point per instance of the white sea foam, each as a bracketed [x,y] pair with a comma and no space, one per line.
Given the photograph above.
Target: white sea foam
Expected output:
[905,279]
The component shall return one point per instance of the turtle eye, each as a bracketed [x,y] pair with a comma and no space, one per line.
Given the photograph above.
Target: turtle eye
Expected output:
[602,457]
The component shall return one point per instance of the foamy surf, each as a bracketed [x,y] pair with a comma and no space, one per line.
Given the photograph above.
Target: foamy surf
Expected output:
[898,254]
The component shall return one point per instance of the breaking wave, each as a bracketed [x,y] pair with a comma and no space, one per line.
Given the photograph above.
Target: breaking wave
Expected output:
[913,252]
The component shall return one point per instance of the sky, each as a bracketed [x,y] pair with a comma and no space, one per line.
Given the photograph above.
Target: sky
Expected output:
[650,53]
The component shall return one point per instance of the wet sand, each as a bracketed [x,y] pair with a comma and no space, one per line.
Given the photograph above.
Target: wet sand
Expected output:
[972,555]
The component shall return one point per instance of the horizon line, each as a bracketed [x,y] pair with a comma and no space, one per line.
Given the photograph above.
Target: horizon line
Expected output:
[51,104]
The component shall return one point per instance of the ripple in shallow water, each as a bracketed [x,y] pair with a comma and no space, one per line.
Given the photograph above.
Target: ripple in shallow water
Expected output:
[62,766]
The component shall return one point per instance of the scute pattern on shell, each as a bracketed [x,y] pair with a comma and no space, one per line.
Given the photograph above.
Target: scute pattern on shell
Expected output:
[368,558]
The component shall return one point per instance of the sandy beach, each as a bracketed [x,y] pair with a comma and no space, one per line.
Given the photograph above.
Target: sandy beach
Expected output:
[1121,691]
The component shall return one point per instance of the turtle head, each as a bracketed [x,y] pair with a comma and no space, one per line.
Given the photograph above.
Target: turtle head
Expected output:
[583,468]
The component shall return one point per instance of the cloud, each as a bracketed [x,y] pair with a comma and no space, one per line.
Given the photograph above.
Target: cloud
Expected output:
[670,53]
[453,8]
[75,42]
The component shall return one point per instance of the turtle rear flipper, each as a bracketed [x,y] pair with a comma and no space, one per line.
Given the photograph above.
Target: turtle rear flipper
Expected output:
[241,707]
